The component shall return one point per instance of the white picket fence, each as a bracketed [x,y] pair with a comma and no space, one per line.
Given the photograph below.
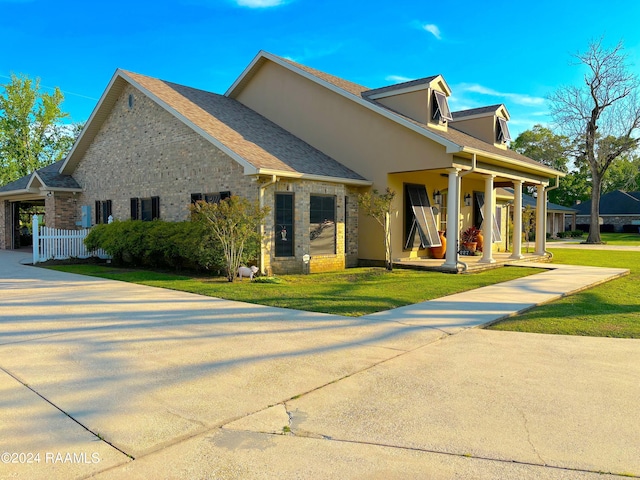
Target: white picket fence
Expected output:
[57,244]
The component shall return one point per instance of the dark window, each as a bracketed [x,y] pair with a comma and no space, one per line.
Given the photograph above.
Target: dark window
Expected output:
[103,211]
[502,131]
[419,218]
[135,209]
[284,233]
[145,209]
[210,197]
[441,110]
[322,229]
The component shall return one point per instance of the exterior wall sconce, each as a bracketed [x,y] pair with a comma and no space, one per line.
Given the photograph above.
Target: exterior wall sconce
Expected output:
[437,197]
[467,200]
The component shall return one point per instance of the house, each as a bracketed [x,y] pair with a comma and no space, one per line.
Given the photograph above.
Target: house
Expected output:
[558,216]
[303,142]
[619,212]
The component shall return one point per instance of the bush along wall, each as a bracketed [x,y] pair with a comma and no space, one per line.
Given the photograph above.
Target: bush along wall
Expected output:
[158,244]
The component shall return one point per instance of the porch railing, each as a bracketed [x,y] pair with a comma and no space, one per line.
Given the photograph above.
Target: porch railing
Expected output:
[58,244]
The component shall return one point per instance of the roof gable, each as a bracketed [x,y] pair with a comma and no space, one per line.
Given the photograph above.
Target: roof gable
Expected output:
[452,139]
[256,143]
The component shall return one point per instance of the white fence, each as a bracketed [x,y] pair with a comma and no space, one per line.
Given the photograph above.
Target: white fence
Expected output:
[58,244]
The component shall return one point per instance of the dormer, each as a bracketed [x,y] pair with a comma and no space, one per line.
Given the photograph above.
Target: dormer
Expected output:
[489,124]
[423,100]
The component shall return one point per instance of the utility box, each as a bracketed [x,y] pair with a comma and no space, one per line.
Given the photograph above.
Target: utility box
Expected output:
[85,221]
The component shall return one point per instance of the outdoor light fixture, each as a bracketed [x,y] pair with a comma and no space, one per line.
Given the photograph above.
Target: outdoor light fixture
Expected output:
[467,200]
[437,197]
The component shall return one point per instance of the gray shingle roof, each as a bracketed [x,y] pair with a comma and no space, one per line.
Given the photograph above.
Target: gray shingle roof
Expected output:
[614,203]
[398,86]
[259,141]
[528,200]
[475,111]
[49,175]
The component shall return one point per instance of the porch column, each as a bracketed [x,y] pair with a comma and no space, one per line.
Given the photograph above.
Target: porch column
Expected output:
[541,221]
[517,220]
[487,254]
[453,222]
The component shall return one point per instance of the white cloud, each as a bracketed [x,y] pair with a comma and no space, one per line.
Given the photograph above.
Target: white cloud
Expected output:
[397,78]
[259,3]
[433,30]
[517,98]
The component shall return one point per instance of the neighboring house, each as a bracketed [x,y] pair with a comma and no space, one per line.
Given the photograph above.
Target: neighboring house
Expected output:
[619,211]
[304,143]
[558,216]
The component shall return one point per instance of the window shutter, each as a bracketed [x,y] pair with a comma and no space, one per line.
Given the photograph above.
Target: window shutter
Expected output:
[97,214]
[155,208]
[134,209]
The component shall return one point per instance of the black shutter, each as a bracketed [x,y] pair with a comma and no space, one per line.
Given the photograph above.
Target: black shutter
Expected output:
[134,209]
[106,211]
[97,213]
[155,208]
[225,195]
[196,197]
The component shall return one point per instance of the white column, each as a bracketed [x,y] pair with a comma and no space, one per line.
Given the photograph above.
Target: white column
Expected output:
[517,220]
[487,254]
[453,215]
[541,221]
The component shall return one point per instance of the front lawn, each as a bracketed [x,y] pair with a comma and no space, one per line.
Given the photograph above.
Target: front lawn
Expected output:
[608,310]
[352,292]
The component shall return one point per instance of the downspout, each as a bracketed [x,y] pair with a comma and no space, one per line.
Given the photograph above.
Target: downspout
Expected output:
[262,188]
[474,165]
[547,252]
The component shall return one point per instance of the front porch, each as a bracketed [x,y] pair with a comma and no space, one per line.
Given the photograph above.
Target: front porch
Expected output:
[473,263]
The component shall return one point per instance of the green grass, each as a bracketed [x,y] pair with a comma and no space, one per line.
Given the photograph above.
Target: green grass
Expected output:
[352,292]
[609,310]
[623,239]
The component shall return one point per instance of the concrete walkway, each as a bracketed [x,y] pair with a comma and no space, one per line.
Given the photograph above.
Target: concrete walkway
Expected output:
[105,379]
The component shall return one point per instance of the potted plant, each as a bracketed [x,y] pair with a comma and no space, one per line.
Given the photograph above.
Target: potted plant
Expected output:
[469,238]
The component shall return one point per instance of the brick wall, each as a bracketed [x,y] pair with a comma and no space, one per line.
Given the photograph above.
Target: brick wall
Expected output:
[144,152]
[617,221]
[61,210]
[5,224]
[302,191]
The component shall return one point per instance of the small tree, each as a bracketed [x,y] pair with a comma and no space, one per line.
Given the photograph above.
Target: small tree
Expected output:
[528,223]
[379,206]
[235,223]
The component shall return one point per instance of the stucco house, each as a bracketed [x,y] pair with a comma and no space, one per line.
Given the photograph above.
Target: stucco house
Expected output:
[619,212]
[304,143]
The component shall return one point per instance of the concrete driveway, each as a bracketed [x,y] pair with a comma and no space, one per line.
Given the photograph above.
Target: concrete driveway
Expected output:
[105,379]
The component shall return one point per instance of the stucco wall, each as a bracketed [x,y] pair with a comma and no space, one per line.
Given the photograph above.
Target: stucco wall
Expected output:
[144,152]
[364,141]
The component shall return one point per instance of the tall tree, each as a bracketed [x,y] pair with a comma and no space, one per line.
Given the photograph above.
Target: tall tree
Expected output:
[31,133]
[603,114]
[541,144]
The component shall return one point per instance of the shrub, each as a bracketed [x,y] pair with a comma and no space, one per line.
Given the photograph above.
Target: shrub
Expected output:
[157,244]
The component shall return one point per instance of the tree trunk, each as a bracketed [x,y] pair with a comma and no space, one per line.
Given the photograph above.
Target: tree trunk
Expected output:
[594,227]
[387,242]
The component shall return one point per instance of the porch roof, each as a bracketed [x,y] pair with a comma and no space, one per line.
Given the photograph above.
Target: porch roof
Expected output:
[48,177]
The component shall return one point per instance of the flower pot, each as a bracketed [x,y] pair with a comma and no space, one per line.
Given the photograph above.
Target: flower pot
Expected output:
[439,252]
[471,246]
[480,242]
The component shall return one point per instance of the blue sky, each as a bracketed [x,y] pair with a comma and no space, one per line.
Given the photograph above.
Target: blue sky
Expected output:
[489,52]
